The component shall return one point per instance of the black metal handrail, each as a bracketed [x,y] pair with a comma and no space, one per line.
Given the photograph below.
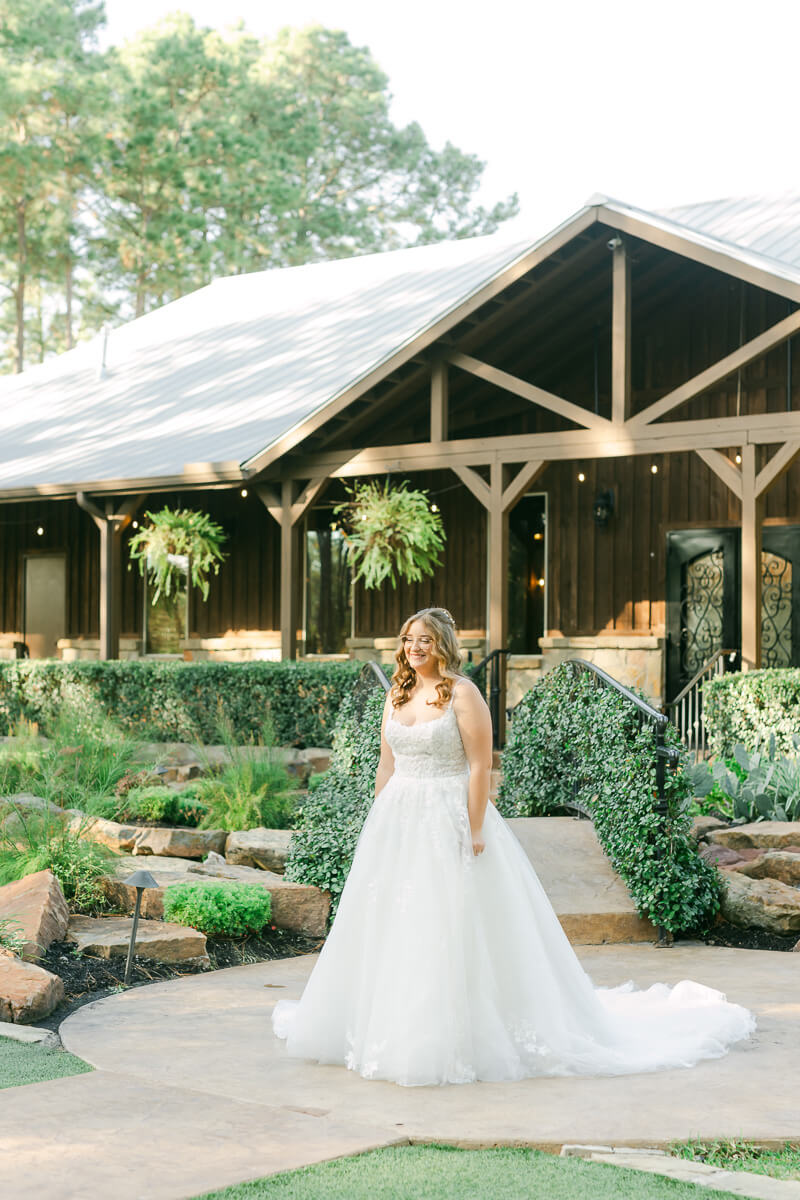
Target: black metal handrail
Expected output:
[686,710]
[664,755]
[371,668]
[493,660]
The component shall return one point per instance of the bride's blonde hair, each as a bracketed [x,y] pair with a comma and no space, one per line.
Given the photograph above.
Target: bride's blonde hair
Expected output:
[442,628]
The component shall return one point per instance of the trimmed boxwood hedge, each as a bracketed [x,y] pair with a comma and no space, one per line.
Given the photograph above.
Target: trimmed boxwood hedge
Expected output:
[572,740]
[748,706]
[175,701]
[330,819]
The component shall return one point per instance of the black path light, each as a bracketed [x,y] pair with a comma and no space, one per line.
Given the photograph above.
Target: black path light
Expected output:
[140,880]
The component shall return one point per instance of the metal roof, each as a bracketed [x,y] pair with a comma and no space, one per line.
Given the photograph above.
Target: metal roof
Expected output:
[210,381]
[219,374]
[768,225]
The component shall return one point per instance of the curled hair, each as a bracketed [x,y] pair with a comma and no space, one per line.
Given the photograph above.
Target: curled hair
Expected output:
[442,628]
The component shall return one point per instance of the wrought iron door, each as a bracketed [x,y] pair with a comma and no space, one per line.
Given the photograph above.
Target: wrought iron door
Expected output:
[702,600]
[780,596]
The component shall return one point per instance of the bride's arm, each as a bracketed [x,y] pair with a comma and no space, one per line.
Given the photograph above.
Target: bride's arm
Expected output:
[386,764]
[475,727]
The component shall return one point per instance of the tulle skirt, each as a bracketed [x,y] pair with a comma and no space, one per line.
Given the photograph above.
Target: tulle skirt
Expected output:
[442,967]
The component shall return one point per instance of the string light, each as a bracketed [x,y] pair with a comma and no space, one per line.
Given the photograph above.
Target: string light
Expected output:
[541,583]
[243,493]
[40,531]
[581,477]
[537,537]
[738,458]
[434,508]
[135,525]
[654,469]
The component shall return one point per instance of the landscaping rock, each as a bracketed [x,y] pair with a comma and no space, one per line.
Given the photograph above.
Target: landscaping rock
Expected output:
[120,838]
[266,848]
[766,835]
[27,992]
[720,856]
[179,843]
[108,937]
[37,904]
[773,864]
[703,825]
[760,903]
[295,906]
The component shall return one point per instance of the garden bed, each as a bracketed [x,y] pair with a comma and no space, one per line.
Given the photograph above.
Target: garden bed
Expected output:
[725,934]
[86,978]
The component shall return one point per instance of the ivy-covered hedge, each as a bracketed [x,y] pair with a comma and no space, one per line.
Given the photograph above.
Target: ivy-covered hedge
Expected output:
[174,701]
[570,740]
[330,820]
[746,707]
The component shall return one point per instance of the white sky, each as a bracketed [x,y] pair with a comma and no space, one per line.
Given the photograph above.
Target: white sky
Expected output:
[654,104]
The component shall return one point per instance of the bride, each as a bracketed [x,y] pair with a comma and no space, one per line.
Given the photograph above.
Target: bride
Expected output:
[446,962]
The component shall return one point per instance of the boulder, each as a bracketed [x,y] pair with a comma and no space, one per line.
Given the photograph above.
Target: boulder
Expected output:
[297,907]
[120,838]
[782,865]
[720,856]
[37,904]
[760,903]
[27,993]
[703,825]
[109,937]
[766,835]
[179,843]
[266,848]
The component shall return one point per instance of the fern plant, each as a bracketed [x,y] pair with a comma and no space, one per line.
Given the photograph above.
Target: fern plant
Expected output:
[391,533]
[177,541]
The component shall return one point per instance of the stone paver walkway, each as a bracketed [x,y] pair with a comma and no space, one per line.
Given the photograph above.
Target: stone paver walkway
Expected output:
[192,1091]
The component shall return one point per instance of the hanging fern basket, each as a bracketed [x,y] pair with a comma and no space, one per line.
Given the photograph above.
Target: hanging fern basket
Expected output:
[177,543]
[392,533]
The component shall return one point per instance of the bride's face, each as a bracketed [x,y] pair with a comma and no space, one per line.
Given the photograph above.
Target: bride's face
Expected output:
[419,646]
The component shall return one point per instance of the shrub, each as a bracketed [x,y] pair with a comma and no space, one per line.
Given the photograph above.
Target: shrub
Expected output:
[169,701]
[217,908]
[252,789]
[747,707]
[570,740]
[329,821]
[154,804]
[37,841]
[757,786]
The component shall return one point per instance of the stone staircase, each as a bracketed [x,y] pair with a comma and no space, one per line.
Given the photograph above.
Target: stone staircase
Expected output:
[590,899]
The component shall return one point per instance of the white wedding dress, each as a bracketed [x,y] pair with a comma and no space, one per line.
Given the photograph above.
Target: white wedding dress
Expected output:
[443,967]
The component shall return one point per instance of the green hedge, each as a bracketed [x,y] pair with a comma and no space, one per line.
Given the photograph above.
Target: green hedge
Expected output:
[571,740]
[330,820]
[219,909]
[746,707]
[174,701]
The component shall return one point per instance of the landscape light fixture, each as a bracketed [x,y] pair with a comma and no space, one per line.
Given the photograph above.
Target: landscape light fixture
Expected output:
[140,880]
[603,508]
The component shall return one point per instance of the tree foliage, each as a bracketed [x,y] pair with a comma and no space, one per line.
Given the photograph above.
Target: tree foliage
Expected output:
[131,176]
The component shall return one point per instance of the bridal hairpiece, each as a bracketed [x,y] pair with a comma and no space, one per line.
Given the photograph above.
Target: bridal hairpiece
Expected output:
[447,617]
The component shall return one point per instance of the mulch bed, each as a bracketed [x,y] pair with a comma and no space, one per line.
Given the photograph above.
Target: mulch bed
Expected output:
[723,934]
[86,978]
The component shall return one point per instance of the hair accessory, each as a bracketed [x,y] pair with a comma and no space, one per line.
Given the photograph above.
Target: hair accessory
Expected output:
[447,617]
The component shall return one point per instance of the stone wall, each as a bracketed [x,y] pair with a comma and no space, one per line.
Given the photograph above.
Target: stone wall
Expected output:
[633,661]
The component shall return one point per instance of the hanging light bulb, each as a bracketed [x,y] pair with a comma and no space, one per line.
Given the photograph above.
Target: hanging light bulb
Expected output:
[738,459]
[581,477]
[654,469]
[434,508]
[135,525]
[243,493]
[40,531]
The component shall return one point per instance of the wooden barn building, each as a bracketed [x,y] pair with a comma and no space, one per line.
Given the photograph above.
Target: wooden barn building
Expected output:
[608,420]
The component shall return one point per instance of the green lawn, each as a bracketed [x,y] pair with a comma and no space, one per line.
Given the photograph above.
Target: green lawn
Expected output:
[736,1155]
[446,1173]
[30,1062]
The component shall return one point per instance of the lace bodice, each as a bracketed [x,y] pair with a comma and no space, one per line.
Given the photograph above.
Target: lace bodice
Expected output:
[428,748]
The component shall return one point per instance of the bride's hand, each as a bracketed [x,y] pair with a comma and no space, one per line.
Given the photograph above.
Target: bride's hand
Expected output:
[478,846]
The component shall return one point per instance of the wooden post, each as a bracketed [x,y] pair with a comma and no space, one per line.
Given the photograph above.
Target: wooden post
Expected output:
[497,517]
[111,525]
[439,398]
[752,515]
[289,564]
[620,333]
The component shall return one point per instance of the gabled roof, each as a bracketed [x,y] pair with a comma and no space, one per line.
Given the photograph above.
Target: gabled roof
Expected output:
[232,375]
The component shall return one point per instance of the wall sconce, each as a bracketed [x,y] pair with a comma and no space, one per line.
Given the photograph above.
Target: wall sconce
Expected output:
[603,508]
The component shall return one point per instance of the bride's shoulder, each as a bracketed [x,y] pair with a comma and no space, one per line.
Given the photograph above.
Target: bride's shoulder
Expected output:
[465,691]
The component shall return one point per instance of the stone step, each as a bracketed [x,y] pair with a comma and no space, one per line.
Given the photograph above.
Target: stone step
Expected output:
[265,848]
[590,899]
[109,937]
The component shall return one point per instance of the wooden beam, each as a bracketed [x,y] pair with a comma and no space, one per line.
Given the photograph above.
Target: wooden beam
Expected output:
[478,486]
[752,515]
[777,466]
[675,437]
[722,466]
[439,402]
[620,333]
[718,371]
[519,485]
[306,498]
[520,387]
[271,501]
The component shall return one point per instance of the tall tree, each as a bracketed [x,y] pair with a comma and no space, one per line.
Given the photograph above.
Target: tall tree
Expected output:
[45,49]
